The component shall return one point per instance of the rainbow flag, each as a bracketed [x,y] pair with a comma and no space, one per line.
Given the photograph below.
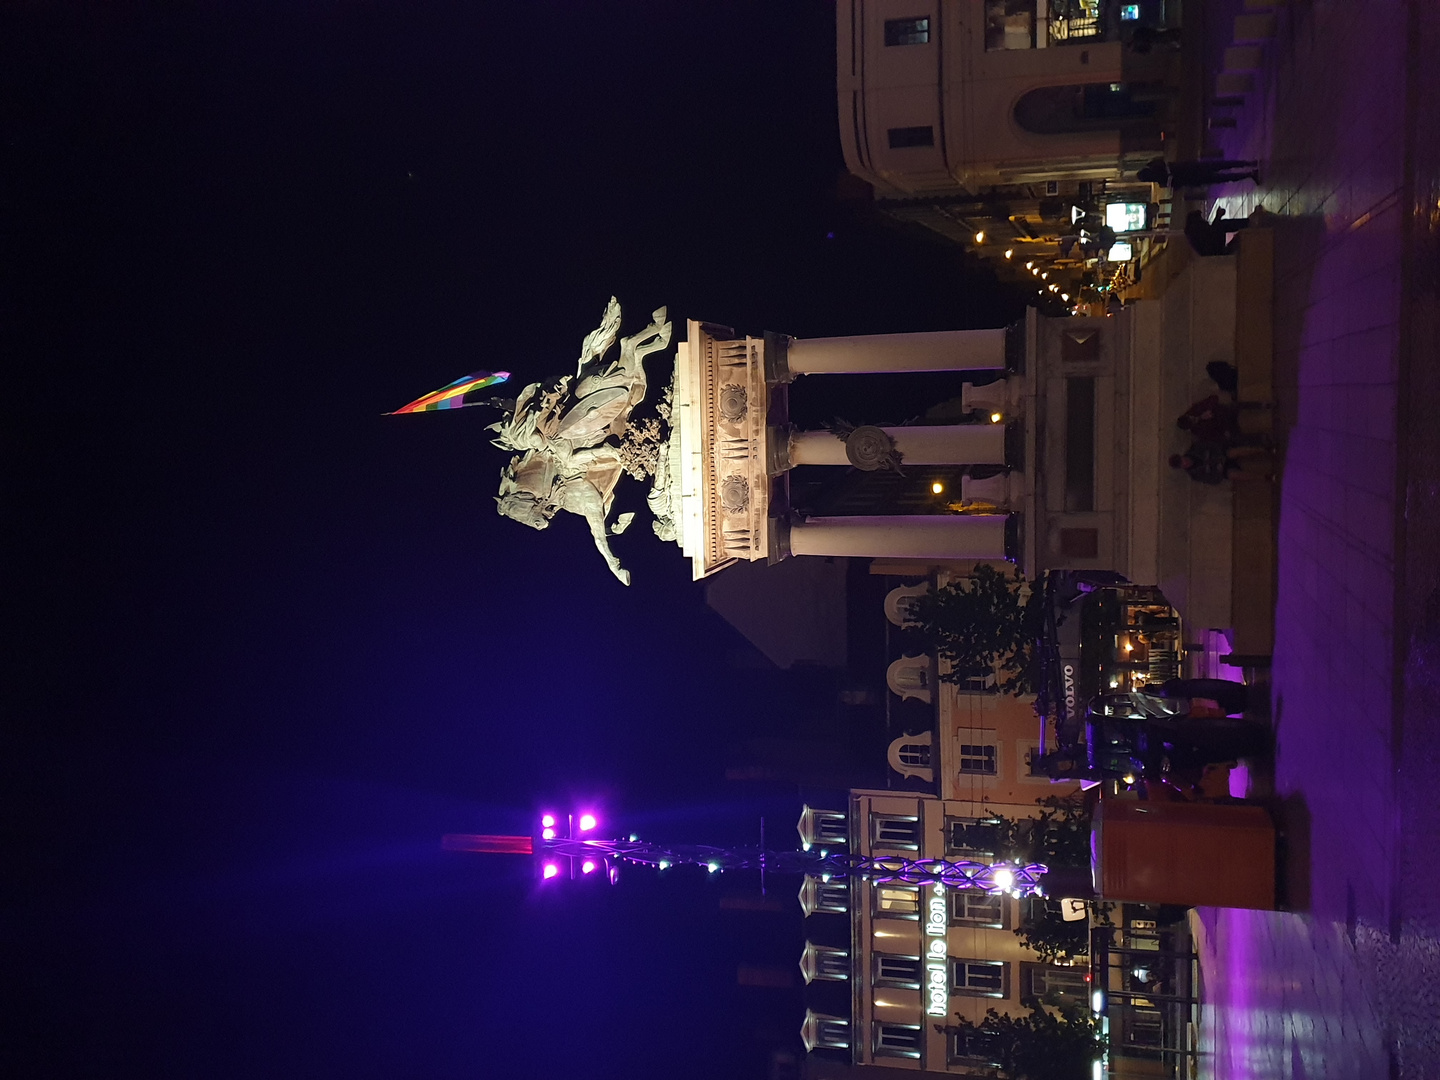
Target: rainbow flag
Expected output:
[452,396]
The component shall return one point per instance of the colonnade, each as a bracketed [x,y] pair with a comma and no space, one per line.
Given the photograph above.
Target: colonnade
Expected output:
[919,536]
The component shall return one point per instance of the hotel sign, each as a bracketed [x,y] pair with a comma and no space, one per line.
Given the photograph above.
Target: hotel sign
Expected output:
[937,958]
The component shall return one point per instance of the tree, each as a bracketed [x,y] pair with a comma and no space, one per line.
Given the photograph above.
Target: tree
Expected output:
[984,626]
[1058,1044]
[1059,837]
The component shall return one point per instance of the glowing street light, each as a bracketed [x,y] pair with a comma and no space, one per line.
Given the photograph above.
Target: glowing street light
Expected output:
[995,418]
[980,237]
[1009,252]
[566,853]
[937,487]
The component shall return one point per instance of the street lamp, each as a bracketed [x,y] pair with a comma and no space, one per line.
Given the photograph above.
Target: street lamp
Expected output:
[561,856]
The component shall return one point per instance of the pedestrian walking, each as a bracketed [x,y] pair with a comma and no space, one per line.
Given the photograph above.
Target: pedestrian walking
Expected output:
[1208,462]
[1193,174]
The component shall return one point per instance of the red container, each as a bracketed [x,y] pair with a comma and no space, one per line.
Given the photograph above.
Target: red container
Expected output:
[1193,854]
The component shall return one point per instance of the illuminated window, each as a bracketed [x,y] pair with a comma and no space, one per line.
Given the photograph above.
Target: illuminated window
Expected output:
[1129,12]
[1009,24]
[975,1048]
[907,31]
[902,972]
[826,896]
[971,907]
[901,138]
[1053,983]
[898,1040]
[979,978]
[822,1032]
[825,963]
[1125,216]
[828,828]
[977,758]
[893,831]
[897,901]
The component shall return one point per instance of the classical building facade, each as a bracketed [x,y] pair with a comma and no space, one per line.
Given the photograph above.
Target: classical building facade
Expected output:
[993,121]
[940,98]
[890,966]
[1058,451]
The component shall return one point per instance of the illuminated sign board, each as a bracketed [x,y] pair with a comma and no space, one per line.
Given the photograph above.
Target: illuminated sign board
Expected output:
[937,959]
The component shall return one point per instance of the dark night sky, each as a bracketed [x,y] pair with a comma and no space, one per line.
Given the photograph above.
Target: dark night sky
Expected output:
[266,646]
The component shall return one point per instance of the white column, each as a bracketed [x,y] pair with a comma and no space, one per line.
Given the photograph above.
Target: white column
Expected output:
[921,536]
[945,350]
[940,444]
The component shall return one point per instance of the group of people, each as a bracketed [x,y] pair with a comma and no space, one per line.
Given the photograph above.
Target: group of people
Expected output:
[1218,446]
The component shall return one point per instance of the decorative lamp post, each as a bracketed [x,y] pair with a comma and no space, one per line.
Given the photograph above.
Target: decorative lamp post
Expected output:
[576,854]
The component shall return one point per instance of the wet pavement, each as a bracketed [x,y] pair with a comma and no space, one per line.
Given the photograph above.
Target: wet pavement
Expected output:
[1347,982]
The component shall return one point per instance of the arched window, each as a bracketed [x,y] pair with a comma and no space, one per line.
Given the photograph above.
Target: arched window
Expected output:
[915,755]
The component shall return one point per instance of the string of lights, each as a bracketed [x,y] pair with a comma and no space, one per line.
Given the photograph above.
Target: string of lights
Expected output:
[576,854]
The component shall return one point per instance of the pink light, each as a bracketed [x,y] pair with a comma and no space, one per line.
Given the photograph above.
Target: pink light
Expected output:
[550,871]
[587,822]
[548,821]
[548,834]
[587,867]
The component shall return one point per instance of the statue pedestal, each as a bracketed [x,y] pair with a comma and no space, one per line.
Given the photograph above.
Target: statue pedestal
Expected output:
[719,450]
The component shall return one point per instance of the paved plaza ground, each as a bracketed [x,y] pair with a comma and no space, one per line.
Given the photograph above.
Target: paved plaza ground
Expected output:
[1344,120]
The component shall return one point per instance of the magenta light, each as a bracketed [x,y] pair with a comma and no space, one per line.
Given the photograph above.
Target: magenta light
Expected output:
[548,821]
[548,834]
[550,871]
[587,822]
[587,867]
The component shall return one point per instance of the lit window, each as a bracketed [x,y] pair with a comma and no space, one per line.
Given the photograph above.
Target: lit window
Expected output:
[1009,24]
[825,963]
[1053,983]
[1129,12]
[907,31]
[978,758]
[825,1032]
[971,907]
[902,972]
[980,978]
[888,830]
[901,138]
[1125,216]
[897,901]
[826,828]
[898,1040]
[975,1048]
